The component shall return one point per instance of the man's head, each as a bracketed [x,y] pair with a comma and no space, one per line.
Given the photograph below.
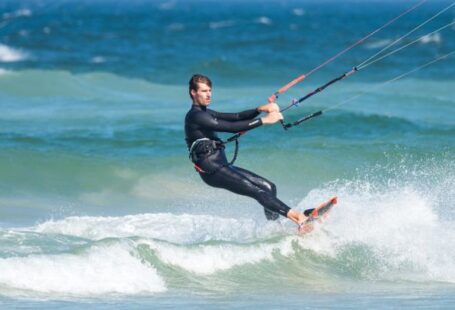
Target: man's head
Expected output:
[200,90]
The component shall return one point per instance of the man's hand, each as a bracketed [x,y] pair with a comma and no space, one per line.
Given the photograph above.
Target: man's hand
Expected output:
[269,107]
[272,118]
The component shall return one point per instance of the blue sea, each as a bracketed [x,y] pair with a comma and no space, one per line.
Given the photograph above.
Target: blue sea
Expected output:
[101,208]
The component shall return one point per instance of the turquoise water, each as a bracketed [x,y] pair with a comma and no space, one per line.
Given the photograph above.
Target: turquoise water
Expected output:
[100,207]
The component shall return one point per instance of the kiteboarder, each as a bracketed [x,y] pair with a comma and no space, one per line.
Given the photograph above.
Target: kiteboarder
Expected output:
[207,149]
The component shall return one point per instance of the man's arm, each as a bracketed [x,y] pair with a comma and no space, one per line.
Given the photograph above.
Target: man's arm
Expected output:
[240,116]
[247,114]
[210,121]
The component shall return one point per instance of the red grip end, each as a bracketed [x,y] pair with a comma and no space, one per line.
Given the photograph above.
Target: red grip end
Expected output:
[272,98]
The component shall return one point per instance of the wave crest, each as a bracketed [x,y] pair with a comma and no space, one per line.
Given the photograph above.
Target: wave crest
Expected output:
[98,271]
[9,54]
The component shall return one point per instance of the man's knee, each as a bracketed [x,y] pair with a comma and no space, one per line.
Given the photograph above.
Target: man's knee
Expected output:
[271,187]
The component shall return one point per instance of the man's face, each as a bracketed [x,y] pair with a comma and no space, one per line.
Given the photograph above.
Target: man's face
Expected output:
[203,95]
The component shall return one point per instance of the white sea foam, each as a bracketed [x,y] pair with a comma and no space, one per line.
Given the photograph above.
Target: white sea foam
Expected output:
[19,13]
[98,60]
[208,259]
[298,12]
[221,24]
[8,54]
[398,224]
[378,44]
[183,228]
[3,71]
[169,5]
[98,271]
[264,20]
[431,38]
[24,33]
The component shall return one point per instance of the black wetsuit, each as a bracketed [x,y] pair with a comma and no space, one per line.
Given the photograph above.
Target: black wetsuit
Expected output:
[201,125]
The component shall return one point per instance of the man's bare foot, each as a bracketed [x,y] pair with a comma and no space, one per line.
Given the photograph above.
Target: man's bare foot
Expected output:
[307,228]
[297,217]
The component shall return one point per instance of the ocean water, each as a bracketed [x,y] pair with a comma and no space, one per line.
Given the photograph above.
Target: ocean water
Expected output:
[101,208]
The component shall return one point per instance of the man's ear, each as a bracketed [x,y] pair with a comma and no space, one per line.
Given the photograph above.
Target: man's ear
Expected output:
[193,93]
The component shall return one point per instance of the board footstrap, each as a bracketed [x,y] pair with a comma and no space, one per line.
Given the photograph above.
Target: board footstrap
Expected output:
[316,214]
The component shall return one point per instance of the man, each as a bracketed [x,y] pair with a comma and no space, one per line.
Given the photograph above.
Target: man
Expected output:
[209,158]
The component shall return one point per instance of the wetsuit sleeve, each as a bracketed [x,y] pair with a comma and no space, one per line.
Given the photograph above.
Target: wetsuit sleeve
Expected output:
[244,115]
[209,121]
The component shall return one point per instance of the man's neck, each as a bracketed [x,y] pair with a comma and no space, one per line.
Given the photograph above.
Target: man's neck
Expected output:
[197,105]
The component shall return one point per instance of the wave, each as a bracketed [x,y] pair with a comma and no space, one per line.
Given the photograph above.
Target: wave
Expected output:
[221,24]
[264,20]
[392,233]
[9,54]
[391,229]
[378,44]
[18,13]
[183,229]
[98,60]
[94,96]
[98,271]
[207,259]
[112,87]
[433,38]
[298,11]
[384,228]
[102,87]
[167,5]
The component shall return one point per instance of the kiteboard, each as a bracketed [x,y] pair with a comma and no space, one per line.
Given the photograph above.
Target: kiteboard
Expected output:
[315,215]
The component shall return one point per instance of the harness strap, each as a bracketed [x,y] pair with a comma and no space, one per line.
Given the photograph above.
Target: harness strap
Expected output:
[236,151]
[196,142]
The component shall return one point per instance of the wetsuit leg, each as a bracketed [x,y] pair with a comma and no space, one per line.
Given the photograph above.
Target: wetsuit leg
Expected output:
[265,185]
[258,180]
[234,180]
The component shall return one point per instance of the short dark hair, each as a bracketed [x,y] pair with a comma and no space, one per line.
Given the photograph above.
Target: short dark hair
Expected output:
[198,78]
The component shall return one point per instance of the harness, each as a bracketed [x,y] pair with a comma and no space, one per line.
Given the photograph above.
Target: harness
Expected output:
[203,147]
